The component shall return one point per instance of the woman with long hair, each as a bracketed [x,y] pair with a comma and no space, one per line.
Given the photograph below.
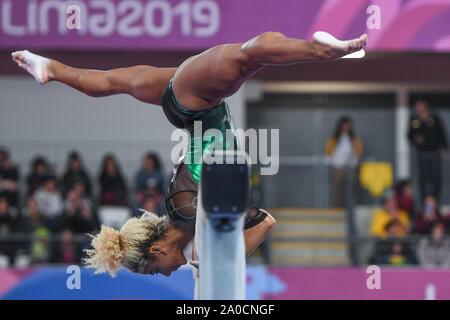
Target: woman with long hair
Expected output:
[113,190]
[344,148]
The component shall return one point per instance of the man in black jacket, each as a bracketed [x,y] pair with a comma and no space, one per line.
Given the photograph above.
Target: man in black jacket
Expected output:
[427,134]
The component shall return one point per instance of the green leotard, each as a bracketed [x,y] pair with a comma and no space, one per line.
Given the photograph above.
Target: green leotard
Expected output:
[181,196]
[218,118]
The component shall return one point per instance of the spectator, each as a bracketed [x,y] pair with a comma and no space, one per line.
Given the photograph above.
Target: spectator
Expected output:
[8,216]
[256,189]
[152,191]
[344,148]
[38,172]
[66,250]
[391,250]
[383,216]
[9,179]
[33,223]
[428,216]
[70,253]
[113,190]
[152,204]
[41,246]
[50,202]
[427,134]
[434,251]
[32,219]
[149,185]
[78,215]
[150,173]
[8,225]
[75,172]
[404,195]
[3,154]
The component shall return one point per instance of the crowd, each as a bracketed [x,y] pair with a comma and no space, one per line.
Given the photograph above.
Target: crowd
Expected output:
[47,220]
[67,206]
[426,134]
[401,214]
[398,219]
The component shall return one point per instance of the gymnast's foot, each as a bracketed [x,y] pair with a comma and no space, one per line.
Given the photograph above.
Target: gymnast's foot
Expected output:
[37,66]
[328,47]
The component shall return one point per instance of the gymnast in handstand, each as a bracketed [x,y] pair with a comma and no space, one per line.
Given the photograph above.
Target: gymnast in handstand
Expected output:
[195,91]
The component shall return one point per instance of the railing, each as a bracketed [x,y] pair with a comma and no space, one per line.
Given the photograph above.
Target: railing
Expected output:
[309,182]
[130,155]
[364,249]
[310,175]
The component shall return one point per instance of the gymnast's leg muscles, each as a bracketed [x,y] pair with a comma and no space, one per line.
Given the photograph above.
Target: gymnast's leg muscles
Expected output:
[273,48]
[145,83]
[204,80]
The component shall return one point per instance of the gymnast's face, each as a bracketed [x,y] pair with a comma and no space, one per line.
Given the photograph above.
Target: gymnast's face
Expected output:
[168,258]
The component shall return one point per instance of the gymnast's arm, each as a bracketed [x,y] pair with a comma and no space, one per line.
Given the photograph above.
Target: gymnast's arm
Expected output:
[144,83]
[256,234]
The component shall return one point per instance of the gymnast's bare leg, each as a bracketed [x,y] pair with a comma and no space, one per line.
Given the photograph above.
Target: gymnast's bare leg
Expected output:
[202,81]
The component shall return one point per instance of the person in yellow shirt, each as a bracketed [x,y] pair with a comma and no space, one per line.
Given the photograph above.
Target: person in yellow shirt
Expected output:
[383,216]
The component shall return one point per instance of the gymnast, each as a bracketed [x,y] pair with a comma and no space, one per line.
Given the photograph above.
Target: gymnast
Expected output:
[194,91]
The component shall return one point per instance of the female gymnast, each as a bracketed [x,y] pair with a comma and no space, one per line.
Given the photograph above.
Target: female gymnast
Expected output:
[194,91]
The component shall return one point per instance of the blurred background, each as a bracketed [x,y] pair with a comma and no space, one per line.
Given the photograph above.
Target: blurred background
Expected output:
[364,174]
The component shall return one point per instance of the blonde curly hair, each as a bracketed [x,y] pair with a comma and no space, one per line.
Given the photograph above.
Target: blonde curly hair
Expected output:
[128,247]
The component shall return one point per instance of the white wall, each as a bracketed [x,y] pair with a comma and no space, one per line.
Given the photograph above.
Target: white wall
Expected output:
[53,119]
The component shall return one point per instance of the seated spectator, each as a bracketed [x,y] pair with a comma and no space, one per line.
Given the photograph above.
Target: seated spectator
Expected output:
[33,223]
[38,172]
[150,173]
[9,179]
[41,247]
[71,251]
[8,225]
[3,153]
[404,195]
[75,172]
[113,190]
[151,190]
[428,216]
[152,204]
[383,216]
[400,254]
[66,250]
[78,216]
[391,250]
[31,217]
[50,202]
[434,251]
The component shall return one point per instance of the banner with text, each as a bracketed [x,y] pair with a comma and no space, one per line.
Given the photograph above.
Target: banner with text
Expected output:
[392,25]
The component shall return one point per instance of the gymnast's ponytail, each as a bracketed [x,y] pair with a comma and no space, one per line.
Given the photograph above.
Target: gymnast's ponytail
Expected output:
[128,247]
[107,252]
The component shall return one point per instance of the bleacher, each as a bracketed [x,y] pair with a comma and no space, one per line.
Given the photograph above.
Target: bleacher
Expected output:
[309,236]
